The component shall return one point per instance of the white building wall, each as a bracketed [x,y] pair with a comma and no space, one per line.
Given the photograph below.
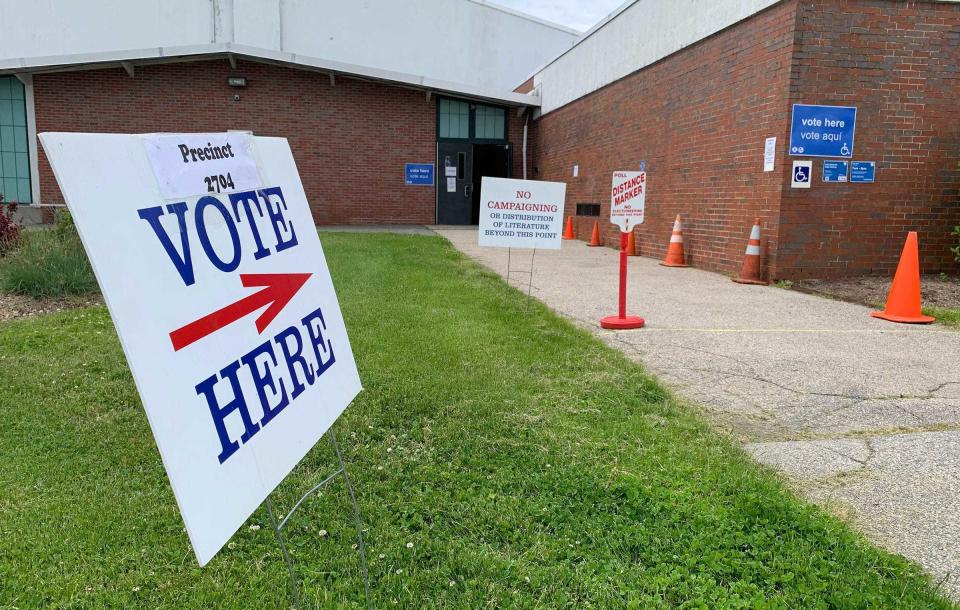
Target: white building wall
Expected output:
[45,28]
[643,33]
[452,40]
[459,41]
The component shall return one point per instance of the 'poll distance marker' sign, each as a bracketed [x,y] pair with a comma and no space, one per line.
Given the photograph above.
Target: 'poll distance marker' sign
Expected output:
[208,259]
[628,196]
[521,213]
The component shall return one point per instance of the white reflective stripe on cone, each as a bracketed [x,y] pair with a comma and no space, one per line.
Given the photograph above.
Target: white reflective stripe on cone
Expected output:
[676,239]
[755,232]
[754,250]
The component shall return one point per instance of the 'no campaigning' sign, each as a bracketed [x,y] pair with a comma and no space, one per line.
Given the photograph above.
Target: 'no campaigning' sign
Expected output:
[521,213]
[220,293]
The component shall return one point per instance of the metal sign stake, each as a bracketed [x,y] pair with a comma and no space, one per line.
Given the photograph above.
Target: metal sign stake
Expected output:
[278,527]
[530,281]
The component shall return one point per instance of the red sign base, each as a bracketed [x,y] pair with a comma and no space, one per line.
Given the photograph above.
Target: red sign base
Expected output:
[618,323]
[622,321]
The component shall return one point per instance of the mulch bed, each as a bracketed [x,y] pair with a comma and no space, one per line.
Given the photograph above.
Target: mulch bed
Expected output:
[13,307]
[937,290]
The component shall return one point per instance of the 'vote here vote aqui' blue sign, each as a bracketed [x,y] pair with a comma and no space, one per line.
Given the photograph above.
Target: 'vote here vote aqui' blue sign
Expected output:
[822,131]
[420,174]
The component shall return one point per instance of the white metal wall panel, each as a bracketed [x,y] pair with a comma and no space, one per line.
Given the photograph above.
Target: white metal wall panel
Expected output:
[457,41]
[643,33]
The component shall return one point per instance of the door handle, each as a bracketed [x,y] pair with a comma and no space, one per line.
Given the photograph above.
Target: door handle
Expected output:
[468,190]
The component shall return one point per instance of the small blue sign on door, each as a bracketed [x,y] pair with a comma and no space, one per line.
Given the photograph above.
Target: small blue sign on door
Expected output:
[863,171]
[835,171]
[419,174]
[822,131]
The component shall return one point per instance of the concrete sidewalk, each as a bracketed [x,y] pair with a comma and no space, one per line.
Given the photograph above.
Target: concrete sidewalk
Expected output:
[863,415]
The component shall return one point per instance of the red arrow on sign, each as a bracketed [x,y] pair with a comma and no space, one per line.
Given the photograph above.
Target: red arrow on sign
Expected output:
[279,288]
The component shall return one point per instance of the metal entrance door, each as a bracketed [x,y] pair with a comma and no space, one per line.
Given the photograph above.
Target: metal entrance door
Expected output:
[455,185]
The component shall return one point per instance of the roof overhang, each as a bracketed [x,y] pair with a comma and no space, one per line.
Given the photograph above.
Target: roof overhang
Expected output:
[157,55]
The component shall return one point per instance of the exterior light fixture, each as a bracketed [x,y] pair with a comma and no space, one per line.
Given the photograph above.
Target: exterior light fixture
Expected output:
[237,81]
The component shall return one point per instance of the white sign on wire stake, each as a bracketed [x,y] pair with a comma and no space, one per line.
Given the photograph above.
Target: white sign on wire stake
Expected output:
[521,213]
[223,303]
[628,196]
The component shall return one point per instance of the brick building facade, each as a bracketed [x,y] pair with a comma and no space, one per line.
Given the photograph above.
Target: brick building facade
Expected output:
[350,138]
[695,98]
[699,118]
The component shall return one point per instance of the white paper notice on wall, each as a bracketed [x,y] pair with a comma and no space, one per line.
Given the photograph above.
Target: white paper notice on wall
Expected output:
[451,185]
[227,316]
[187,165]
[769,154]
[521,213]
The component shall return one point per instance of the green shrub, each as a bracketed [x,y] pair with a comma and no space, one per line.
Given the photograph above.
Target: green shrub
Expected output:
[48,263]
[9,228]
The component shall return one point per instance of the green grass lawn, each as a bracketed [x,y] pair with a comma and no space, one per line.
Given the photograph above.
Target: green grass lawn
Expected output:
[944,315]
[502,459]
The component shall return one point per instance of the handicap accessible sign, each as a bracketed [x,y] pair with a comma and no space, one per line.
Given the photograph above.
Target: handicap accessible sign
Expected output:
[822,131]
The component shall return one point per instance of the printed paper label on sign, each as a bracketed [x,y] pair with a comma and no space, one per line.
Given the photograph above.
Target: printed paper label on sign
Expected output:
[194,164]
[521,213]
[627,198]
[226,313]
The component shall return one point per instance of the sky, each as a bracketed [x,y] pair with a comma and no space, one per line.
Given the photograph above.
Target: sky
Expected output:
[577,14]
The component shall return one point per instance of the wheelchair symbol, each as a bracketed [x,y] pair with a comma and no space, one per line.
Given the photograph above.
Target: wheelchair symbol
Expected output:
[844,150]
[802,174]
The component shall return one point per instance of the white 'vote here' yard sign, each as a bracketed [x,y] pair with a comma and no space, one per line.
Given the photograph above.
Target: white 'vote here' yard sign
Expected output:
[210,265]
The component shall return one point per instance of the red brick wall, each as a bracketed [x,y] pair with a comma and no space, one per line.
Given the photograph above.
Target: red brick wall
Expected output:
[350,140]
[897,62]
[699,119]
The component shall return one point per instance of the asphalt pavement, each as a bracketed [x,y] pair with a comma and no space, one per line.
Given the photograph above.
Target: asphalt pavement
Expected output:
[861,415]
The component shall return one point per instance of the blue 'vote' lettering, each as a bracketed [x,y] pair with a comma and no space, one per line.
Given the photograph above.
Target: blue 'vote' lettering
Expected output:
[212,210]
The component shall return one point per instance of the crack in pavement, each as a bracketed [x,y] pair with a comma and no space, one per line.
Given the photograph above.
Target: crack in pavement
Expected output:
[867,443]
[927,395]
[854,400]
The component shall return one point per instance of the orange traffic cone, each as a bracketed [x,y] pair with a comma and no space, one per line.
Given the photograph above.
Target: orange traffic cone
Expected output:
[568,232]
[750,274]
[675,256]
[903,302]
[595,238]
[632,245]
